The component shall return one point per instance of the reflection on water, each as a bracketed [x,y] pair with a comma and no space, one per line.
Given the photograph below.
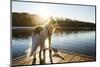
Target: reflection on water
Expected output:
[74,41]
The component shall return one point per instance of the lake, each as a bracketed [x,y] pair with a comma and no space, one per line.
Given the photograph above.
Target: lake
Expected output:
[78,41]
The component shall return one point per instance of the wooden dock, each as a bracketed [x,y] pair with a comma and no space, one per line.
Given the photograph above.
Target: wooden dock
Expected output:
[62,57]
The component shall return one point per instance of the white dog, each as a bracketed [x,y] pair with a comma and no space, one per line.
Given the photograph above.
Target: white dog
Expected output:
[40,34]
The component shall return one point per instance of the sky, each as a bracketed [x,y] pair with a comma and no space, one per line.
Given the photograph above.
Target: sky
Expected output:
[75,12]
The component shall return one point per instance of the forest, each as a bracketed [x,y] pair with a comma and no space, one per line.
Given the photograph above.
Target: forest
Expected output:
[31,20]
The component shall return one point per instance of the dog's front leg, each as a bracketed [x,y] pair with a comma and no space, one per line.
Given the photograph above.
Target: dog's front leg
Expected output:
[50,50]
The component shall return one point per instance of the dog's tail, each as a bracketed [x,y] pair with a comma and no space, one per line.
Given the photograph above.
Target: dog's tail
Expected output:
[32,48]
[35,41]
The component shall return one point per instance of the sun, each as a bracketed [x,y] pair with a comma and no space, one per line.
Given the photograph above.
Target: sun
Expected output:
[44,12]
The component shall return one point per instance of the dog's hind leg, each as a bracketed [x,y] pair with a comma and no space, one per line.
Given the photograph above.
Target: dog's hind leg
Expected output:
[40,55]
[34,59]
[42,58]
[44,55]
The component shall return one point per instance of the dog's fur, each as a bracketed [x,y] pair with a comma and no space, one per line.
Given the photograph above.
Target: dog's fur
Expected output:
[40,34]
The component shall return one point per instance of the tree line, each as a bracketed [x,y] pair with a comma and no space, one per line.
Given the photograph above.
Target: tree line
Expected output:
[30,20]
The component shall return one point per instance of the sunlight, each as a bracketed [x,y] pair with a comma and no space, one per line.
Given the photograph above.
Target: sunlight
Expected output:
[44,13]
[47,43]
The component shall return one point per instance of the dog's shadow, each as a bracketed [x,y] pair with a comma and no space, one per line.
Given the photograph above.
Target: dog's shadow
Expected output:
[42,61]
[56,54]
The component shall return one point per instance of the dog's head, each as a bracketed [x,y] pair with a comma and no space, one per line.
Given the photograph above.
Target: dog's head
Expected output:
[52,22]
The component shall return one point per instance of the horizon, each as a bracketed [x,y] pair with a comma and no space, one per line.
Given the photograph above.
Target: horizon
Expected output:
[74,12]
[54,17]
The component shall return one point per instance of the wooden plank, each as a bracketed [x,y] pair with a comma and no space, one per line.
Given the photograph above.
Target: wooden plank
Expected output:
[21,62]
[56,59]
[75,59]
[67,57]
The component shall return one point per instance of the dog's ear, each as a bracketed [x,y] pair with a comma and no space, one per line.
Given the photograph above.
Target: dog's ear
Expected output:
[52,21]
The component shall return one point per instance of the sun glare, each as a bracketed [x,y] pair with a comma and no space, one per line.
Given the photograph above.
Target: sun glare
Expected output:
[46,43]
[44,12]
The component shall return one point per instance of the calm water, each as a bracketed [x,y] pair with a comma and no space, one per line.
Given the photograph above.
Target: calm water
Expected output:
[74,41]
